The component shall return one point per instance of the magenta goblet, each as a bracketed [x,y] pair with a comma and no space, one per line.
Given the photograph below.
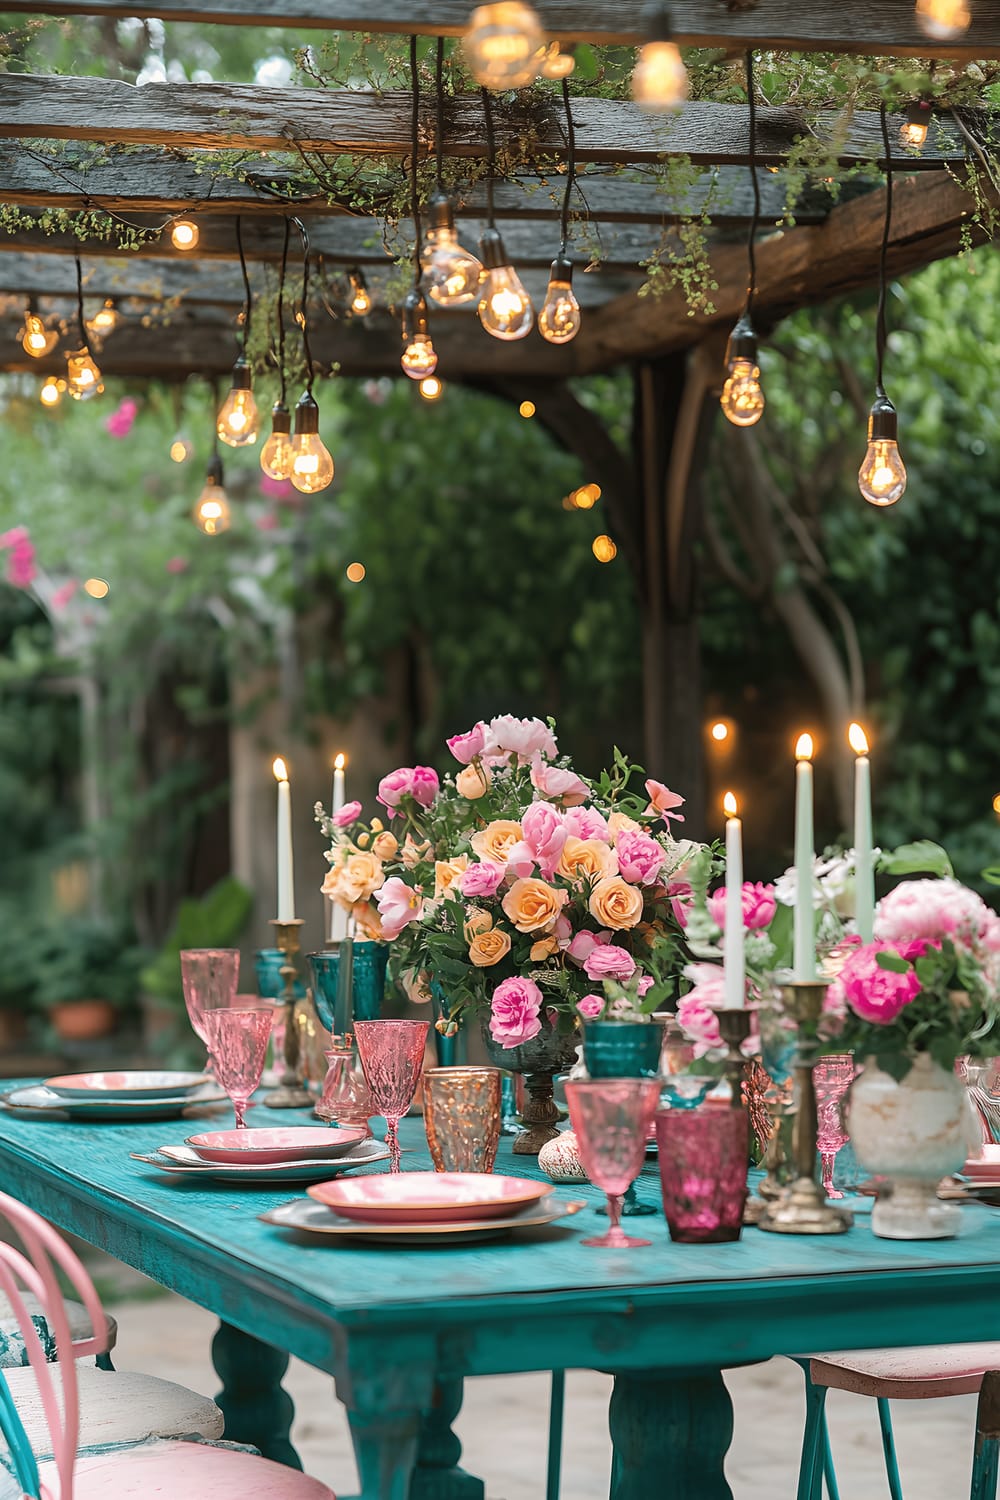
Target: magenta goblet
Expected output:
[392,1056]
[611,1118]
[237,1039]
[209,977]
[832,1077]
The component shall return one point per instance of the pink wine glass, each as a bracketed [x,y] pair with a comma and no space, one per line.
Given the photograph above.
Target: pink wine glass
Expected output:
[392,1056]
[209,977]
[832,1077]
[237,1040]
[611,1118]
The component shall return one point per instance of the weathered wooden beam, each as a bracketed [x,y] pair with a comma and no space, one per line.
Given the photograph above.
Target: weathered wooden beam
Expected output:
[131,182]
[212,116]
[820,25]
[797,269]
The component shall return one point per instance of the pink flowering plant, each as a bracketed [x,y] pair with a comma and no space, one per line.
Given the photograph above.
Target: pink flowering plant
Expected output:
[520,891]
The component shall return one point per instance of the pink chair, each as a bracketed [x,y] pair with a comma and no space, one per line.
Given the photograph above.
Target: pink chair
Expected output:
[160,1466]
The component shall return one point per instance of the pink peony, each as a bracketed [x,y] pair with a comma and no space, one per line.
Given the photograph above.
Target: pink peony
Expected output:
[520,860]
[557,784]
[349,813]
[12,537]
[515,1007]
[681,900]
[662,800]
[119,423]
[586,823]
[935,909]
[507,735]
[481,879]
[590,1007]
[584,943]
[640,858]
[465,747]
[645,984]
[759,906]
[696,1011]
[545,834]
[398,904]
[21,568]
[425,785]
[876,994]
[608,961]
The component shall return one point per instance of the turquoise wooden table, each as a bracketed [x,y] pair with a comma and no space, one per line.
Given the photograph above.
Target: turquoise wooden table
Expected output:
[398,1329]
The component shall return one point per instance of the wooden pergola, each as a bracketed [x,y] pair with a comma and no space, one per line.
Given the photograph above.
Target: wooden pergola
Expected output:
[152,154]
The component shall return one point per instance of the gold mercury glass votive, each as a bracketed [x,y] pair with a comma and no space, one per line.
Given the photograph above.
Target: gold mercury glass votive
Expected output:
[462,1118]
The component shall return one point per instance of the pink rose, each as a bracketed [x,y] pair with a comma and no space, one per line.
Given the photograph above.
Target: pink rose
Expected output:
[482,879]
[645,984]
[662,800]
[876,994]
[515,1008]
[507,735]
[759,905]
[465,747]
[426,785]
[584,943]
[608,961]
[520,860]
[394,787]
[557,784]
[349,813]
[586,823]
[681,899]
[590,1007]
[640,858]
[398,904]
[545,834]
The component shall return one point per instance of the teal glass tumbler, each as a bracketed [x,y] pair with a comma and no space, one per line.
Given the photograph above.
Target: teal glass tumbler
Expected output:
[270,984]
[371,961]
[622,1049]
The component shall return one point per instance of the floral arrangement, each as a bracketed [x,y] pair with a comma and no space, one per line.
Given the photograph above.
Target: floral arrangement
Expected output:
[516,888]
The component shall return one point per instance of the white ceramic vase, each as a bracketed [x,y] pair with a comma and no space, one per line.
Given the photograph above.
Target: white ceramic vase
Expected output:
[914,1133]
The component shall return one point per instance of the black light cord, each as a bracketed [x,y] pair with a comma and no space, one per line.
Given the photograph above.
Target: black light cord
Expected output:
[880,335]
[248,300]
[439,118]
[755,217]
[414,148]
[491,156]
[281,312]
[79,308]
[570,171]
[310,369]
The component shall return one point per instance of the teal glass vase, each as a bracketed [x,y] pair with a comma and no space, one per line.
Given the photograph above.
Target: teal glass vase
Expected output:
[362,999]
[622,1049]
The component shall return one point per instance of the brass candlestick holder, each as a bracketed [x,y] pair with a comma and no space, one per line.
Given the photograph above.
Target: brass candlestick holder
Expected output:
[290,1093]
[734,1027]
[802,1207]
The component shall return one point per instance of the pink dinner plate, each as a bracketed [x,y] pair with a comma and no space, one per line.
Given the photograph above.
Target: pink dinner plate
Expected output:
[429,1197]
[984,1166]
[146,1084]
[279,1143]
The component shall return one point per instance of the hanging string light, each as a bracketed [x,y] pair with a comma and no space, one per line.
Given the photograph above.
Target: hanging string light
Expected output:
[238,422]
[505,309]
[742,398]
[451,273]
[52,391]
[312,464]
[419,357]
[105,320]
[83,378]
[660,80]
[882,476]
[556,63]
[361,297]
[943,20]
[504,45]
[211,511]
[276,455]
[913,131]
[431,388]
[559,319]
[36,340]
[184,234]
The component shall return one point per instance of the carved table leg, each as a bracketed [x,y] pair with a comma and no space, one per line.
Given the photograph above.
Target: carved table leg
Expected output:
[438,1475]
[256,1408]
[385,1447]
[671,1431]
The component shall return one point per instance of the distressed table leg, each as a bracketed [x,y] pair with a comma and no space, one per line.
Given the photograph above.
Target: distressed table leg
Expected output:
[671,1431]
[438,1475]
[256,1408]
[387,1383]
[385,1447]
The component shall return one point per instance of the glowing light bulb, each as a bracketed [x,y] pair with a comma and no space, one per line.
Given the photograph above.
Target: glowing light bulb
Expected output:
[312,464]
[104,321]
[526,409]
[451,274]
[431,388]
[356,572]
[996,803]
[97,588]
[180,450]
[238,421]
[943,20]
[559,319]
[361,299]
[913,131]
[505,309]
[504,45]
[882,476]
[419,357]
[83,378]
[604,548]
[211,510]
[36,339]
[184,235]
[52,391]
[660,80]
[276,457]
[742,398]
[720,731]
[556,63]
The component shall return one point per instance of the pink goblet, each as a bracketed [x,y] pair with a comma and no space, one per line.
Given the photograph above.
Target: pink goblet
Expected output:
[611,1118]
[392,1055]
[209,977]
[832,1077]
[237,1040]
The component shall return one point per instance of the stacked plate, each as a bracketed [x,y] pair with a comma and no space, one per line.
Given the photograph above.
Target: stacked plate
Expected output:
[423,1208]
[294,1153]
[117,1096]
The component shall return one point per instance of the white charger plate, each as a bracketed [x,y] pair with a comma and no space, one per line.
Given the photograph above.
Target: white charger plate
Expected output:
[37,1099]
[182,1161]
[113,1085]
[304,1215]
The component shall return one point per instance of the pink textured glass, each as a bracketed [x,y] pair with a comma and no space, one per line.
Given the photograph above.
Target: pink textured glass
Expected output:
[209,977]
[832,1077]
[611,1118]
[237,1040]
[392,1056]
[704,1155]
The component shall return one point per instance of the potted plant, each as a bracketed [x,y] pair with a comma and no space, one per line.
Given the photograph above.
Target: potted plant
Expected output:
[86,973]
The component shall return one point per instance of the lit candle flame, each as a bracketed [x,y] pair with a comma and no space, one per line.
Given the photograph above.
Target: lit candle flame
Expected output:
[729,805]
[720,730]
[804,747]
[857,739]
[996,804]
[340,761]
[280,769]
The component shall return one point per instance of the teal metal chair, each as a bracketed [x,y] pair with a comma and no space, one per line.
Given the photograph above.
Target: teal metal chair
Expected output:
[902,1375]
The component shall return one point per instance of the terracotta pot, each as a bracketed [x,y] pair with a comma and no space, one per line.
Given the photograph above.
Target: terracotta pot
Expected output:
[82,1020]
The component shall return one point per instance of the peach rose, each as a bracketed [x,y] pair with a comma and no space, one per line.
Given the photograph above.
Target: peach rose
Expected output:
[385,846]
[586,859]
[447,873]
[488,948]
[367,921]
[496,840]
[544,948]
[413,853]
[355,878]
[476,921]
[532,905]
[619,822]
[615,903]
[473,781]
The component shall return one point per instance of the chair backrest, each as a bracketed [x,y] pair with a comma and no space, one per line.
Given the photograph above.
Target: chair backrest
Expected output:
[35,1271]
